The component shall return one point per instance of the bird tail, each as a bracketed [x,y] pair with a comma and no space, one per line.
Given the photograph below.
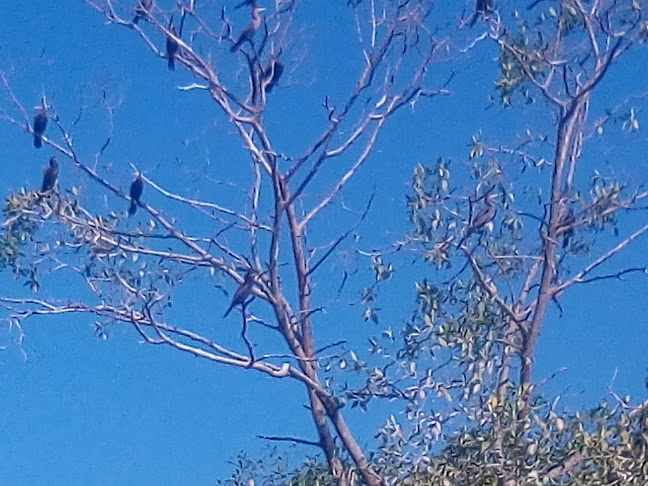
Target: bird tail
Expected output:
[236,46]
[136,19]
[229,309]
[566,237]
[38,141]
[171,64]
[133,208]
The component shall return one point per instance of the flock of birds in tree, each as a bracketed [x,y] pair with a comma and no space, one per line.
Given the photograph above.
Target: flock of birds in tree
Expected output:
[51,173]
[243,294]
[271,74]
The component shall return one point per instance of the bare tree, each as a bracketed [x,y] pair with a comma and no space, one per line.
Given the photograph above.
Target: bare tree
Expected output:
[133,274]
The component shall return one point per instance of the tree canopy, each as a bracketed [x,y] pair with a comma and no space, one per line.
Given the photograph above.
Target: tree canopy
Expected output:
[276,242]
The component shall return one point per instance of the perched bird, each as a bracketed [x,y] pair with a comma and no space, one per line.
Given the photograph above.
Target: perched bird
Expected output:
[172,47]
[566,221]
[272,74]
[136,189]
[485,215]
[482,218]
[142,10]
[482,7]
[250,29]
[50,175]
[243,292]
[40,124]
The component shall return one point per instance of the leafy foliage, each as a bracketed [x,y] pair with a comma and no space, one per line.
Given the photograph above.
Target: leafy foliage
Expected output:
[457,373]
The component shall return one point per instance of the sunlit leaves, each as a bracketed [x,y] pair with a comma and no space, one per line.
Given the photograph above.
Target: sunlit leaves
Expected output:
[476,148]
[381,271]
[518,63]
[630,121]
[100,330]
[273,469]
[429,188]
[605,194]
[21,221]
[367,296]
[643,32]
[428,297]
[369,314]
[570,18]
[31,278]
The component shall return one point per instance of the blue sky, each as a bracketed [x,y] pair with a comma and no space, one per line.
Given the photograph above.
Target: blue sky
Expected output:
[78,410]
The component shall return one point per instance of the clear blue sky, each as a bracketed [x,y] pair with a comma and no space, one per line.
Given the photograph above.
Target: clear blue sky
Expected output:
[76,410]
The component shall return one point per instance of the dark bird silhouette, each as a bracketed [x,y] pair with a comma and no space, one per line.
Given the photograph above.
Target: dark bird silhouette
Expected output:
[243,292]
[172,47]
[566,221]
[50,175]
[482,7]
[142,10]
[272,74]
[530,7]
[40,124]
[136,190]
[249,3]
[250,29]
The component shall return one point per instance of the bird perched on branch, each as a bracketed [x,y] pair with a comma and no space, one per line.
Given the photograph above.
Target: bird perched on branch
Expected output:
[142,10]
[172,47]
[566,221]
[482,7]
[50,175]
[244,291]
[272,74]
[39,126]
[485,215]
[250,29]
[136,190]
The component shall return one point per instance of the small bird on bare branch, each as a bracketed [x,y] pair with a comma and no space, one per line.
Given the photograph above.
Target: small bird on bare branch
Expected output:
[39,126]
[482,7]
[272,74]
[172,47]
[244,291]
[136,190]
[250,29]
[142,10]
[50,175]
